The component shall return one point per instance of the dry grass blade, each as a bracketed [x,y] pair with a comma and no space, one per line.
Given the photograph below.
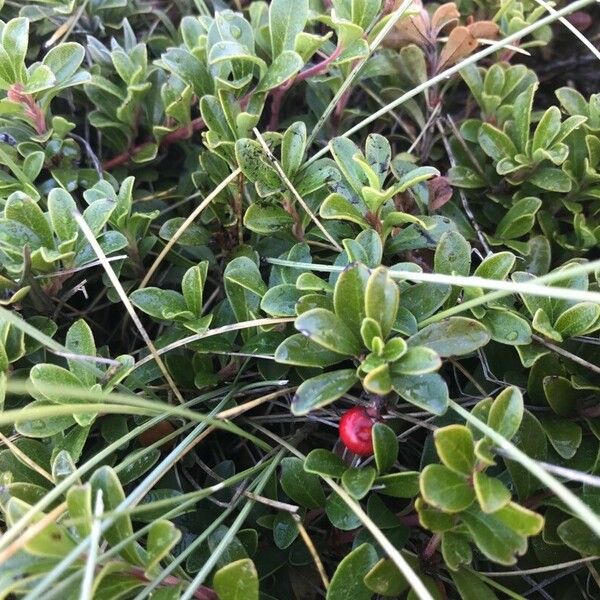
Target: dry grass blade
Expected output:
[571,28]
[20,455]
[190,219]
[217,331]
[87,582]
[126,302]
[313,551]
[294,191]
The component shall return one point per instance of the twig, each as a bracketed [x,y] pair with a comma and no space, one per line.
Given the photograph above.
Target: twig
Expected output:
[183,133]
[566,354]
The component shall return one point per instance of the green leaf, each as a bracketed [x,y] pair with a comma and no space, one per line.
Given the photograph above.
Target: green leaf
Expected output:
[328,330]
[302,487]
[455,447]
[322,390]
[61,207]
[285,530]
[399,485]
[491,493]
[470,586]
[428,392]
[194,234]
[255,165]
[192,286]
[348,579]
[358,481]
[385,446]
[453,254]
[495,143]
[349,296]
[507,327]
[336,206]
[497,540]
[547,129]
[64,60]
[160,304]
[564,435]
[281,300]
[522,117]
[577,319]
[80,341]
[79,503]
[382,298]
[323,462]
[266,218]
[299,350]
[551,179]
[23,209]
[445,489]
[340,514]
[456,550]
[287,19]
[15,39]
[293,147]
[419,360]
[386,579]
[455,336]
[577,535]
[41,428]
[237,581]
[283,68]
[506,412]
[343,151]
[162,537]
[519,220]
[52,541]
[105,479]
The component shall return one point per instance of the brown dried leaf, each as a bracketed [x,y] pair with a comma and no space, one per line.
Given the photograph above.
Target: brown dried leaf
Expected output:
[440,192]
[460,44]
[444,16]
[408,31]
[484,30]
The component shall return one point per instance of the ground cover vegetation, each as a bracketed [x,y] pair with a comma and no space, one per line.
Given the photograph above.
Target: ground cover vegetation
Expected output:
[299,299]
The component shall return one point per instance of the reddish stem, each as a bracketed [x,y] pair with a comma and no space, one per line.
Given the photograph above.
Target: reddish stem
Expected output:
[202,593]
[278,93]
[183,133]
[32,109]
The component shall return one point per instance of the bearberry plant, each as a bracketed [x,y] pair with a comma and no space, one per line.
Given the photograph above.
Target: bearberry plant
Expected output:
[299,299]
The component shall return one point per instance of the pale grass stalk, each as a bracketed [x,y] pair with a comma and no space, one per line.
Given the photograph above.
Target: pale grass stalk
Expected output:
[582,510]
[549,8]
[545,569]
[87,583]
[501,286]
[211,332]
[444,75]
[313,551]
[91,238]
[231,413]
[294,191]
[393,19]
[190,219]
[20,455]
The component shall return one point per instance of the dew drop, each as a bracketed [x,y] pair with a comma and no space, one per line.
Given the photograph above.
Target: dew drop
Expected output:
[236,32]
[512,335]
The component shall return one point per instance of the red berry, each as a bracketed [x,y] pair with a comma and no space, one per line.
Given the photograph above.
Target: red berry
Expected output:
[356,427]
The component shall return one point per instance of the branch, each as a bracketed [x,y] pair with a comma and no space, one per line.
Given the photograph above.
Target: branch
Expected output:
[183,133]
